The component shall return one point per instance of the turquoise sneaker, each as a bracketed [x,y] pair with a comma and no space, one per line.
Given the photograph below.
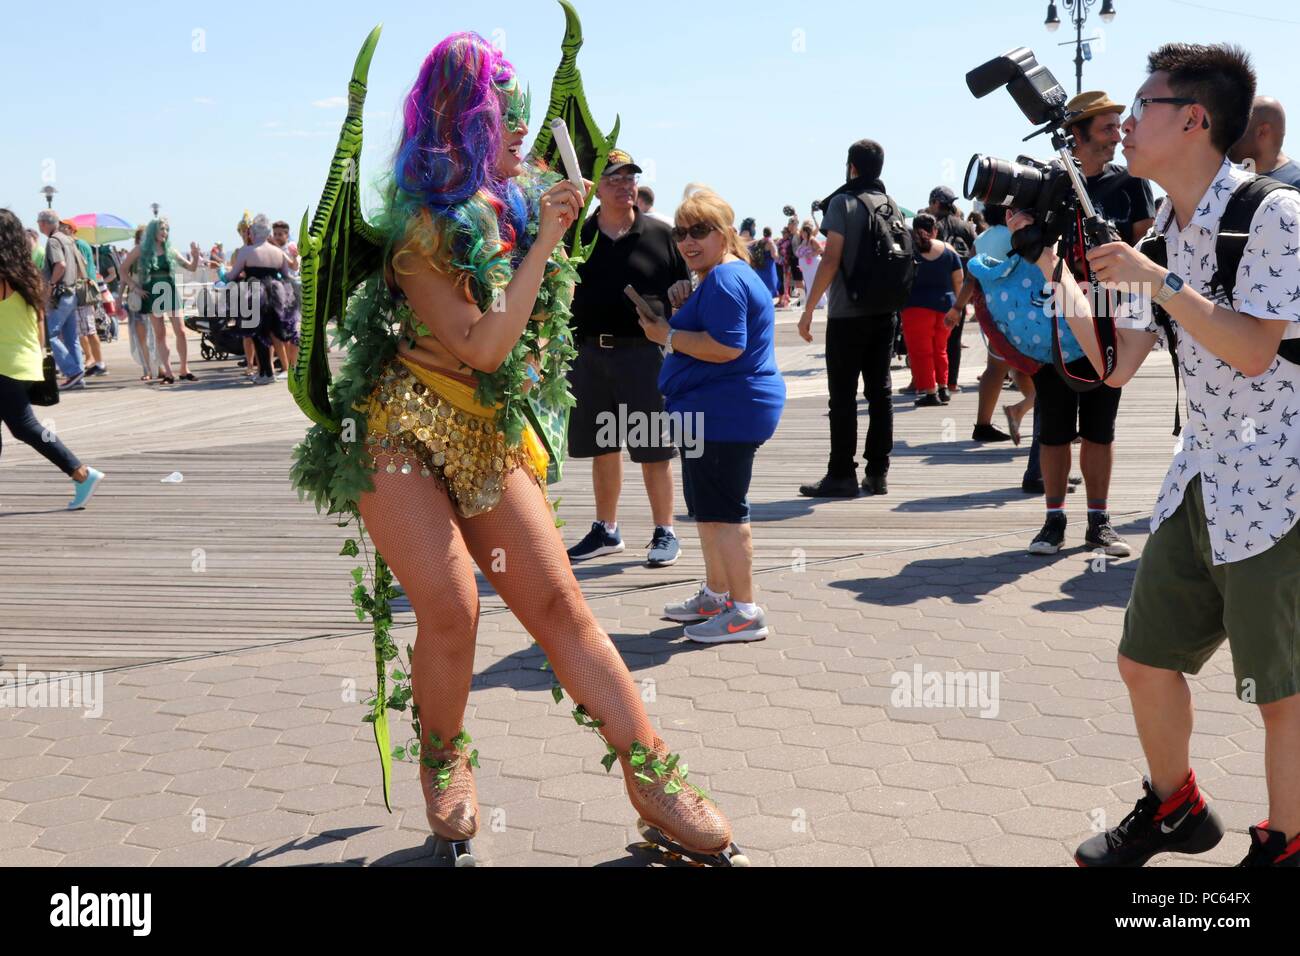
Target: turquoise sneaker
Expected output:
[84,489]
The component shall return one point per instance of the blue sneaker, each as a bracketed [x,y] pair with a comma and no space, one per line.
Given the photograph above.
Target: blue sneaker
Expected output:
[664,549]
[598,542]
[84,489]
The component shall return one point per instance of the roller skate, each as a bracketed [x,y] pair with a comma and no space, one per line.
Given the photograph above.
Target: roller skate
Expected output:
[451,799]
[675,818]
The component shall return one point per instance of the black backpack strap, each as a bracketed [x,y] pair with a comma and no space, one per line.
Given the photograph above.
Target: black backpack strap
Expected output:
[869,234]
[1230,246]
[1153,247]
[1234,232]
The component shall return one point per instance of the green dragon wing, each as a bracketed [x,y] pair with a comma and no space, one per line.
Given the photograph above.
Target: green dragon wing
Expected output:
[339,251]
[569,102]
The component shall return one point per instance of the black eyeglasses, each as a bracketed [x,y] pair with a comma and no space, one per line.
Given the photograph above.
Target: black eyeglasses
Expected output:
[1140,105]
[699,230]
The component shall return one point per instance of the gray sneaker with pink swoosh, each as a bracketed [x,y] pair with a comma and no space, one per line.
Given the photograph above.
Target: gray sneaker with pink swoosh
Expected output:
[732,626]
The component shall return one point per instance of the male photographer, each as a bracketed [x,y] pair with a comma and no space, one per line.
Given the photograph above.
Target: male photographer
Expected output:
[1223,560]
[1063,414]
[1262,143]
[859,333]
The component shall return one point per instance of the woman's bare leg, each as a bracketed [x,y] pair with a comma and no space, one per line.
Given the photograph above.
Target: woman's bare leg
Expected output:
[519,549]
[412,524]
[182,347]
[160,340]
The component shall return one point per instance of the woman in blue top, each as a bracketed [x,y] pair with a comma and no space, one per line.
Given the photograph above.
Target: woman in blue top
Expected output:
[934,292]
[725,394]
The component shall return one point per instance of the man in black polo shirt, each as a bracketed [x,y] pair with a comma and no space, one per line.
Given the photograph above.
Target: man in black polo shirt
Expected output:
[615,377]
[1061,414]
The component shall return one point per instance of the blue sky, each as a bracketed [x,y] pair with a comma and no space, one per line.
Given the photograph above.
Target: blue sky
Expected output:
[211,111]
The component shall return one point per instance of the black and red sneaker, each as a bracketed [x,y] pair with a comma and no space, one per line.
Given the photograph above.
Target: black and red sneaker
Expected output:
[1182,824]
[1270,848]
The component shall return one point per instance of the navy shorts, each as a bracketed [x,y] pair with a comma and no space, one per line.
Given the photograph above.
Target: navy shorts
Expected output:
[716,484]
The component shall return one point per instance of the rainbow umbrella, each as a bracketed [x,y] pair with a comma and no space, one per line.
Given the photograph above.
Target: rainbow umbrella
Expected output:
[98,228]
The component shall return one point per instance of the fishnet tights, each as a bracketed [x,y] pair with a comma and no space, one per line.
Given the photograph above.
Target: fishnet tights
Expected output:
[432,551]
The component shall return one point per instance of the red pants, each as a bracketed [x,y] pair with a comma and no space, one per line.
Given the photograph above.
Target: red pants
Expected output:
[927,347]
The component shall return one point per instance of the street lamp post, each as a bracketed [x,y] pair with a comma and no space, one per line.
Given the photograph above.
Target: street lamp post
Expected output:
[155,207]
[1077,11]
[48,192]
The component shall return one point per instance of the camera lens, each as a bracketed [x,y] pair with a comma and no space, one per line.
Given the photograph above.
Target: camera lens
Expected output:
[1003,183]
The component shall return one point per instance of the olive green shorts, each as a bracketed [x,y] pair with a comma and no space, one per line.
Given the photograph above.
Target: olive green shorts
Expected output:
[1183,606]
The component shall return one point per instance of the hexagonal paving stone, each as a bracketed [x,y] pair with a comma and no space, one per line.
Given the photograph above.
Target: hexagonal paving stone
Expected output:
[241,738]
[920,776]
[84,835]
[260,829]
[130,784]
[264,758]
[177,831]
[114,856]
[105,765]
[979,798]
[212,722]
[1098,771]
[1014,850]
[919,852]
[783,757]
[163,742]
[1052,822]
[155,806]
[1016,774]
[199,783]
[951,826]
[23,769]
[891,801]
[858,829]
[229,804]
[14,836]
[867,754]
[322,798]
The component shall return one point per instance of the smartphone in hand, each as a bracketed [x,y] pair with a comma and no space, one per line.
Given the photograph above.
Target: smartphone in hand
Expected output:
[642,306]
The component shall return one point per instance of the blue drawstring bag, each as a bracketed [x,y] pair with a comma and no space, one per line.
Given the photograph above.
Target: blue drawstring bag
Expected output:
[1019,301]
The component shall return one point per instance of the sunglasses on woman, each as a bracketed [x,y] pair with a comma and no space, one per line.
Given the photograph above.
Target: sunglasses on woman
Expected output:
[699,230]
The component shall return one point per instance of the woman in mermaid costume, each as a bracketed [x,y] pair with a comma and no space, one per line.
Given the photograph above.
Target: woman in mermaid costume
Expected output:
[453,308]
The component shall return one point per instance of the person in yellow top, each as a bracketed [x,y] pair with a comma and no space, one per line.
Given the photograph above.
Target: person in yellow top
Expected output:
[22,319]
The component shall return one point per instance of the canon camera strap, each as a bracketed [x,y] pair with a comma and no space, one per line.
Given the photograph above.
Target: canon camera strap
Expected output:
[1103,315]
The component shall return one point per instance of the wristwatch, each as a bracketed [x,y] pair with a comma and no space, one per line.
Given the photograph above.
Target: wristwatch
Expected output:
[668,343]
[1172,285]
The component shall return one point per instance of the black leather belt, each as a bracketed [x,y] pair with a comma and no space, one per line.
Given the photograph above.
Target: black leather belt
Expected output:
[617,341]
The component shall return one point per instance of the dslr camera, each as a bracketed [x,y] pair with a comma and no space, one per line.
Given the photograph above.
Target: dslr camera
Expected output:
[1054,192]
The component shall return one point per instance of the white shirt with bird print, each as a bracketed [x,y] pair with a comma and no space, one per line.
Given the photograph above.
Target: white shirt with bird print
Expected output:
[1243,433]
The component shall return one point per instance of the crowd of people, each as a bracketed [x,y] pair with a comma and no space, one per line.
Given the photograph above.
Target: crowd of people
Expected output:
[1219,556]
[151,288]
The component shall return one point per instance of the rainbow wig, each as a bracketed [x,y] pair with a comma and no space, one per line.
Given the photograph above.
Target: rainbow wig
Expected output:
[445,193]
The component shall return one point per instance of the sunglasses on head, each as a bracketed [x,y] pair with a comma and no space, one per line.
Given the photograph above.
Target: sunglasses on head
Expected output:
[699,230]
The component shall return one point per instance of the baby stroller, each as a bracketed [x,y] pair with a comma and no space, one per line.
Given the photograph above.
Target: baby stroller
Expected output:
[217,322]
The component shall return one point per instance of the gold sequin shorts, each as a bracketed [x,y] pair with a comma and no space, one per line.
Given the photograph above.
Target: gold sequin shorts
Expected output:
[418,419]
